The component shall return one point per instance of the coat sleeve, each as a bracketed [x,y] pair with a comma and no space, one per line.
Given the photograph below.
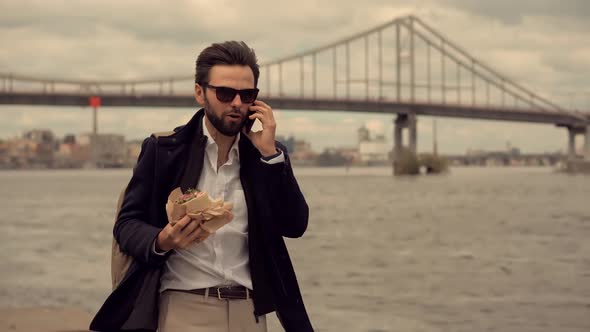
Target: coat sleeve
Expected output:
[287,201]
[132,230]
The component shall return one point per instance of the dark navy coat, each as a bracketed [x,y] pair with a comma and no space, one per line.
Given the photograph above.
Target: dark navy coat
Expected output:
[276,209]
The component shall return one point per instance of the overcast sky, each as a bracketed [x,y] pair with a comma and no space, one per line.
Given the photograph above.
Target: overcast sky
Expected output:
[542,44]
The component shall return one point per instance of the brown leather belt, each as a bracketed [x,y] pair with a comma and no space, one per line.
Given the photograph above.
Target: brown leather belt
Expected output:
[222,293]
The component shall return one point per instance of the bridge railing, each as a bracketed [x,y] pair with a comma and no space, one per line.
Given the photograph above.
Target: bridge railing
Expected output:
[160,86]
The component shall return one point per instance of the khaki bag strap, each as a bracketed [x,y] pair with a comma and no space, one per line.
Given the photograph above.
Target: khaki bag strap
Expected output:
[120,262]
[163,134]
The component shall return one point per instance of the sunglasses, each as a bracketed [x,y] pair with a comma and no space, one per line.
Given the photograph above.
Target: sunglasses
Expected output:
[226,95]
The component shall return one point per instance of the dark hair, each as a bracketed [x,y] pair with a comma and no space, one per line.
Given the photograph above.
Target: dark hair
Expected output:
[227,53]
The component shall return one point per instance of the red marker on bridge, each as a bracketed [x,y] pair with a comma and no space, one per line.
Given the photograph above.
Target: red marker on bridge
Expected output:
[95,103]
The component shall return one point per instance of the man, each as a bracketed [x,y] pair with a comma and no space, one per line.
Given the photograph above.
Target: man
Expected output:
[181,280]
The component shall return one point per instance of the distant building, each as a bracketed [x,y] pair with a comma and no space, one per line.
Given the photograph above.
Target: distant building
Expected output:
[372,151]
[109,150]
[4,154]
[38,146]
[106,150]
[302,153]
[39,136]
[84,139]
[133,150]
[21,153]
[331,157]
[288,142]
[363,134]
[69,139]
[352,155]
[69,154]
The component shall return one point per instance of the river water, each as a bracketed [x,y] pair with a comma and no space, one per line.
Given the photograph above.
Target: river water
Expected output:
[479,249]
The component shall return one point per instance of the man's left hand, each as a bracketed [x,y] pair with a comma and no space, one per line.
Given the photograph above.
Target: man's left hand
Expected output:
[263,140]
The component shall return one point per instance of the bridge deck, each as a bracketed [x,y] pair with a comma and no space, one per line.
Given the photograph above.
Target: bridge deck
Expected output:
[372,106]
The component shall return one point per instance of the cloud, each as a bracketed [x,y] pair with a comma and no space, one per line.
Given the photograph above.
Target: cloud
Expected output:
[137,39]
[145,20]
[348,120]
[513,12]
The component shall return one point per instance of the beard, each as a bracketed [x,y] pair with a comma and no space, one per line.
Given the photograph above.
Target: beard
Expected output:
[224,127]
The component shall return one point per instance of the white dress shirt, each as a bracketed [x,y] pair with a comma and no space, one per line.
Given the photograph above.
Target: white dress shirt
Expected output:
[222,259]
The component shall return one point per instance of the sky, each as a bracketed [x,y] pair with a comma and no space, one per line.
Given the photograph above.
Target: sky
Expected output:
[541,44]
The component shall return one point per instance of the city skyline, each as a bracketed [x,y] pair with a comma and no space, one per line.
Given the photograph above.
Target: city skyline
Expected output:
[41,149]
[454,135]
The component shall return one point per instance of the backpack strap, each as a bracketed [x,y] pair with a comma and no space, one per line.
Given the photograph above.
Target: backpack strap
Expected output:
[163,134]
[120,262]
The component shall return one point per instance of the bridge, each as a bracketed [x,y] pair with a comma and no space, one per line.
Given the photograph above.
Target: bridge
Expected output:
[403,67]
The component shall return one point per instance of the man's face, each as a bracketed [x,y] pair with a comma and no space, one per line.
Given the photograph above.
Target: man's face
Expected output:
[227,118]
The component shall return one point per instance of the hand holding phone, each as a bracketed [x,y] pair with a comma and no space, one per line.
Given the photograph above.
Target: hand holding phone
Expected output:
[263,140]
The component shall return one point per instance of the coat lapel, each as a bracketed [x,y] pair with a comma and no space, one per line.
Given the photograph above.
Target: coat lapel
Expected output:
[196,155]
[194,164]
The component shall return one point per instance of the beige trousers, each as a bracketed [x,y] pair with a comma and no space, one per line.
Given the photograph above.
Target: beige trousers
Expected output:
[185,312]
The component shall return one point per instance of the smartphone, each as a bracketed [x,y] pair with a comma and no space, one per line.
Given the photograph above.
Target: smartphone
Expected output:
[249,122]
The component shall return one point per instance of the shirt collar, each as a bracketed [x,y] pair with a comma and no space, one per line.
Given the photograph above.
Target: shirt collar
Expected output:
[212,145]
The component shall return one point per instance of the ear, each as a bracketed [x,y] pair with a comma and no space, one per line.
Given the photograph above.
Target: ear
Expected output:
[199,94]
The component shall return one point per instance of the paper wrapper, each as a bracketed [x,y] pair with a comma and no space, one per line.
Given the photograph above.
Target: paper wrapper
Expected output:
[215,213]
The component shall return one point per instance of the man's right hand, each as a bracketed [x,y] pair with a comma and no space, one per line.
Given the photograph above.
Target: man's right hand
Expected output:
[181,234]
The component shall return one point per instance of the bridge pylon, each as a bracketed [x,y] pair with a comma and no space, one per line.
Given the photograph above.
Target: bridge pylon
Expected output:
[573,132]
[409,121]
[573,163]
